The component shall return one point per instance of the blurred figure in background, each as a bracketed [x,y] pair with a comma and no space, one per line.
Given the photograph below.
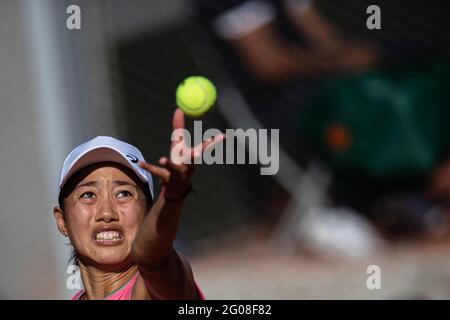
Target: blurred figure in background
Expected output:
[280,54]
[276,52]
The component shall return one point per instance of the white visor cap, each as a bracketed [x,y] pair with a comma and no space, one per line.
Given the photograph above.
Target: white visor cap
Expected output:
[104,149]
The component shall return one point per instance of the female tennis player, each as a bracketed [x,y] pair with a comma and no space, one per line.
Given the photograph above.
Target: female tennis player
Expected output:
[122,238]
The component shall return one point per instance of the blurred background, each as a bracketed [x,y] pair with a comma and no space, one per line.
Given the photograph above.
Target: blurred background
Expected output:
[363,115]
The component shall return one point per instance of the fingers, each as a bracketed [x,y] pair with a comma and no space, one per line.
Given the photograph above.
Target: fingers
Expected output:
[178,123]
[178,119]
[173,167]
[199,149]
[160,172]
[166,169]
[213,140]
[191,154]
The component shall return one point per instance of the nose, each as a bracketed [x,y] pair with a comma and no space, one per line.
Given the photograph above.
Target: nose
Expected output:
[107,212]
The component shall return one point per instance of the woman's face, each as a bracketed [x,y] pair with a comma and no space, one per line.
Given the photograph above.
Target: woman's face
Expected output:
[103,210]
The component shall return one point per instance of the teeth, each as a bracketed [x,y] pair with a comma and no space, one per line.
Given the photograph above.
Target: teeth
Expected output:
[108,236]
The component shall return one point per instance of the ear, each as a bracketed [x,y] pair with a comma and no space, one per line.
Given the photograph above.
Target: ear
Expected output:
[60,222]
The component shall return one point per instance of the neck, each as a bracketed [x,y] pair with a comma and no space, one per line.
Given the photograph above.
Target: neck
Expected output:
[100,283]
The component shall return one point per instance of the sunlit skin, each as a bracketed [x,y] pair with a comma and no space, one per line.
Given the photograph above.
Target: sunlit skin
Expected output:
[108,195]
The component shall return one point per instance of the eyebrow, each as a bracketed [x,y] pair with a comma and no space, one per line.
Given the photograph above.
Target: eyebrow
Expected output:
[123,183]
[88,184]
[95,183]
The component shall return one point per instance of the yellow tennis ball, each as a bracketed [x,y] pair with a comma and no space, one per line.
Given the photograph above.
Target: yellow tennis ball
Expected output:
[196,95]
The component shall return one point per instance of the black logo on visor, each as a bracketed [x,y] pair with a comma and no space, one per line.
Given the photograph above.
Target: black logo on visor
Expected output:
[132,157]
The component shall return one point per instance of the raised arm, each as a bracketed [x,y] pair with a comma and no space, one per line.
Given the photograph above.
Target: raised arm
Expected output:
[165,273]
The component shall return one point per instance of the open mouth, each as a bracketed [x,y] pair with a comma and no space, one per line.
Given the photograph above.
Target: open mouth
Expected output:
[108,236]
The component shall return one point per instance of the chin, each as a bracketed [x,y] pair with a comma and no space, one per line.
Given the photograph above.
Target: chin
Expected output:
[112,259]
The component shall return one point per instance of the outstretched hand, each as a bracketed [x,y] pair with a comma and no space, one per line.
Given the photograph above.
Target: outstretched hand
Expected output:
[176,177]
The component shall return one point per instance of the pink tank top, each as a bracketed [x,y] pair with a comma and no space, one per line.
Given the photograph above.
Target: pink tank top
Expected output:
[124,292]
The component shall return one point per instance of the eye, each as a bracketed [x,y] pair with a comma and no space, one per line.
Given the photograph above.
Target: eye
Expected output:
[124,193]
[88,195]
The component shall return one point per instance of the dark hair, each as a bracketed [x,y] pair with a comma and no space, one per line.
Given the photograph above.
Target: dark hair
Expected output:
[73,258]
